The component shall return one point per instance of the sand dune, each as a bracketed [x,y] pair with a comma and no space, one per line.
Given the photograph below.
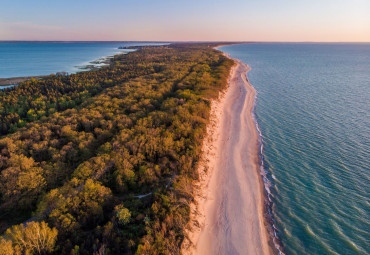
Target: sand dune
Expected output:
[228,215]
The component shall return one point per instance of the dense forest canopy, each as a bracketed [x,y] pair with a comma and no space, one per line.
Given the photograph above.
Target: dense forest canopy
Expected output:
[102,162]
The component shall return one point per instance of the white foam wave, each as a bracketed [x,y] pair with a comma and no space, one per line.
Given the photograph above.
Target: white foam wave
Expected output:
[267,183]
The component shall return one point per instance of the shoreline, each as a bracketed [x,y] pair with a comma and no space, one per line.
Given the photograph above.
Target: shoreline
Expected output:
[89,65]
[92,65]
[237,195]
[5,82]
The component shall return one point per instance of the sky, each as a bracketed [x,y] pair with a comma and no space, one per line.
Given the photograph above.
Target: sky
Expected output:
[186,20]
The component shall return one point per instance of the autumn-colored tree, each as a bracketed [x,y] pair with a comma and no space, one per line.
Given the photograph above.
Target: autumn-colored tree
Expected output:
[84,144]
[6,247]
[21,182]
[31,238]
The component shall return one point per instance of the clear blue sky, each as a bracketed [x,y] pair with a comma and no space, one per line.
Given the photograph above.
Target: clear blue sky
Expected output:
[186,20]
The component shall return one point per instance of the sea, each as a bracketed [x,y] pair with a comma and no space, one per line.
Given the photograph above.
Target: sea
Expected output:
[43,58]
[313,112]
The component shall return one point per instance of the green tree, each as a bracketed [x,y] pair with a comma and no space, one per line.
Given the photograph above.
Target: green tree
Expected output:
[123,214]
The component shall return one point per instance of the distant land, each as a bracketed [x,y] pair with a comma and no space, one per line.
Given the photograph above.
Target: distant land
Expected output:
[183,148]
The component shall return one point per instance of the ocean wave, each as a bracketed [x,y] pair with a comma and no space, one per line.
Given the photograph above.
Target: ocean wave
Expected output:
[267,185]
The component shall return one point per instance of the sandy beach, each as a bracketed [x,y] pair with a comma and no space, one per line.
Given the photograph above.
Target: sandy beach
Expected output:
[227,216]
[16,80]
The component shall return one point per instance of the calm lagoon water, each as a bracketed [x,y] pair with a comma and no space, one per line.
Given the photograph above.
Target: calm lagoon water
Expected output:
[31,59]
[313,110]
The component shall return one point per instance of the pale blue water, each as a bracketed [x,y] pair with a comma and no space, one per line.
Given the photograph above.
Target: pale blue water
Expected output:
[31,59]
[313,109]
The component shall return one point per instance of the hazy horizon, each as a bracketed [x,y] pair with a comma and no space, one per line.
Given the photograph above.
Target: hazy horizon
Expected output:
[205,20]
[232,42]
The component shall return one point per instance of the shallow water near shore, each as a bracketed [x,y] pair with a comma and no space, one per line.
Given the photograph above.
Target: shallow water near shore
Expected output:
[43,58]
[7,86]
[314,114]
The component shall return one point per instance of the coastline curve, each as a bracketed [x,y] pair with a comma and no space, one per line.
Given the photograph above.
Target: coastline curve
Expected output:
[228,216]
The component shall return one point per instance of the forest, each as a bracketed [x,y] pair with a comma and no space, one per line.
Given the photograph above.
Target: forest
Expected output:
[103,162]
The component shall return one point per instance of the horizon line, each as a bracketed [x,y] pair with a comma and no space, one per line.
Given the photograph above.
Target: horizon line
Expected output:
[171,41]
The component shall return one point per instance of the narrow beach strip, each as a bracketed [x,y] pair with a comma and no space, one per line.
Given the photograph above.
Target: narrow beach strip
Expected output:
[227,216]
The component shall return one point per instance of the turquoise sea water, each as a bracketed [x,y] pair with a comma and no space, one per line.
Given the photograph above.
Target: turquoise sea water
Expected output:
[31,59]
[313,110]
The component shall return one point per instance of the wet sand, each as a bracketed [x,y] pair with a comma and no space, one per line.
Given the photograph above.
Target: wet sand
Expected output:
[227,216]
